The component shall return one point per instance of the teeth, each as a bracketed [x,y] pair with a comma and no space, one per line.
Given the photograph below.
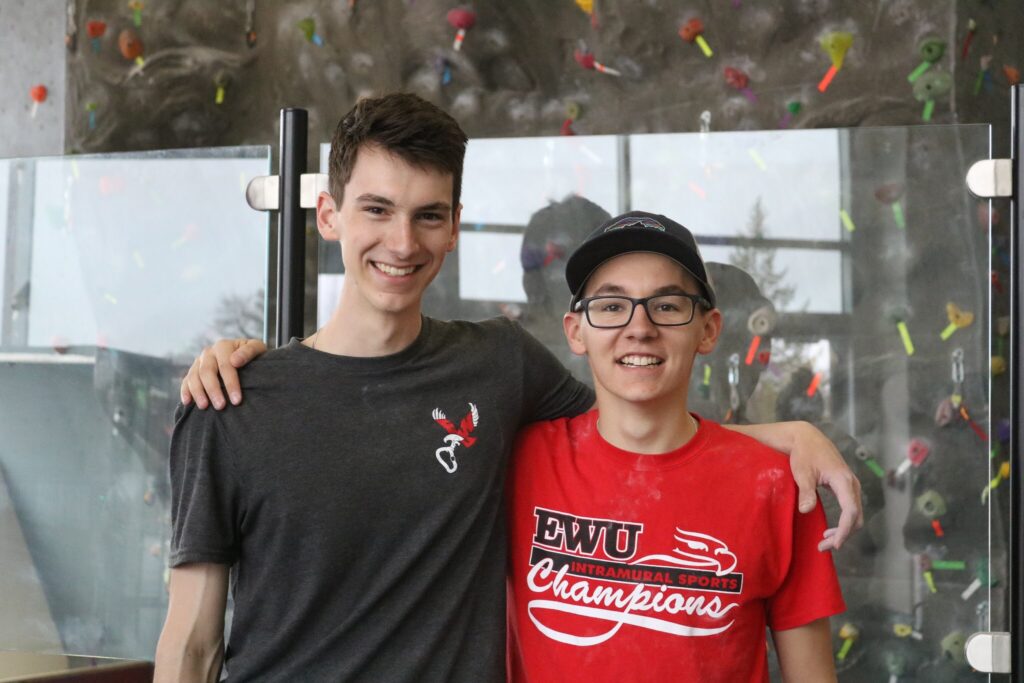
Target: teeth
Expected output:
[391,270]
[640,361]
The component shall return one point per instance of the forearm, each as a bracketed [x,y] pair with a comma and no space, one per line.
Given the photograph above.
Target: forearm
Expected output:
[815,462]
[778,435]
[805,653]
[191,645]
[178,660]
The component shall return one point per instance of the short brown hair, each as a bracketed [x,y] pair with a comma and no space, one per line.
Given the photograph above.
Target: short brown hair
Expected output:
[403,124]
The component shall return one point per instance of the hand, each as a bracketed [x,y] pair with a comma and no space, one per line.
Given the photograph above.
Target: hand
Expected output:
[816,462]
[217,364]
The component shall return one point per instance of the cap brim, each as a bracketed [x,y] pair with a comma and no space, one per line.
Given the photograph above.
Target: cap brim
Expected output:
[596,252]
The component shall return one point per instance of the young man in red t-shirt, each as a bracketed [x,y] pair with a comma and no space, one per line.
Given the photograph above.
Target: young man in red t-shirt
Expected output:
[647,544]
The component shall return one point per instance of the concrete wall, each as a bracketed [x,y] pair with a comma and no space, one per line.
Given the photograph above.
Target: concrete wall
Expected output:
[32,52]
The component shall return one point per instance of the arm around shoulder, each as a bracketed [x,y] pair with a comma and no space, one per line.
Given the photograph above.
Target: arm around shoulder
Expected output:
[805,653]
[814,461]
[549,390]
[217,364]
[191,645]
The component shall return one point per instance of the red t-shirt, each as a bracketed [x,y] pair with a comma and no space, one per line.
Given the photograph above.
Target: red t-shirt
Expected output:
[627,567]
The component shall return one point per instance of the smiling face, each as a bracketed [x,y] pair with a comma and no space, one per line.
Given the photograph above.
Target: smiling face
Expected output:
[642,362]
[395,225]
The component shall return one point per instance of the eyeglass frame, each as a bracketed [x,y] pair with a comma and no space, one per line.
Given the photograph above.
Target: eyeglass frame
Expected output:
[583,305]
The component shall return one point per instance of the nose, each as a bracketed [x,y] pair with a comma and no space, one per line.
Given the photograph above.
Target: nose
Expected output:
[401,239]
[640,325]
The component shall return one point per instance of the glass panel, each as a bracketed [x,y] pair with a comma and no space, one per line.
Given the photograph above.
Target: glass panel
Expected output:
[694,177]
[809,280]
[5,169]
[862,263]
[114,277]
[508,178]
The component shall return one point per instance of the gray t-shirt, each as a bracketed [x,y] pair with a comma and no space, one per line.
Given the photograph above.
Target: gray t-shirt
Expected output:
[359,502]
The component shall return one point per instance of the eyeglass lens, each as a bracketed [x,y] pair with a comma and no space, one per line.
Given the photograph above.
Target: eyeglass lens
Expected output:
[614,311]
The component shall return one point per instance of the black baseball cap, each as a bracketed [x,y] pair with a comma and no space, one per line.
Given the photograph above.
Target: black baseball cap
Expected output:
[631,232]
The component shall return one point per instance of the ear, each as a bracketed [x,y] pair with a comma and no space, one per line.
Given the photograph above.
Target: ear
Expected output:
[572,323]
[712,328]
[327,217]
[456,222]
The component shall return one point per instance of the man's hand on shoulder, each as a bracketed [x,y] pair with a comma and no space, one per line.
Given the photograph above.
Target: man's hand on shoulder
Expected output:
[216,364]
[815,461]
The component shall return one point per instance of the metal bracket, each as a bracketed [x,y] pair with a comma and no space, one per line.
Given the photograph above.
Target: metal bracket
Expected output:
[989,652]
[262,193]
[991,178]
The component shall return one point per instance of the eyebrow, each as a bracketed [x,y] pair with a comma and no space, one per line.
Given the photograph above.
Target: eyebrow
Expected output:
[435,206]
[384,201]
[609,288]
[375,198]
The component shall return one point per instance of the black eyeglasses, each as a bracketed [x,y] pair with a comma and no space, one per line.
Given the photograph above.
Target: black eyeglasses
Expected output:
[666,310]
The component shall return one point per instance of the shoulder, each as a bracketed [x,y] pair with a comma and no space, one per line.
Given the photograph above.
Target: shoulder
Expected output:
[746,458]
[292,365]
[562,430]
[491,327]
[196,433]
[191,419]
[274,359]
[545,429]
[538,443]
[741,446]
[492,334]
[266,381]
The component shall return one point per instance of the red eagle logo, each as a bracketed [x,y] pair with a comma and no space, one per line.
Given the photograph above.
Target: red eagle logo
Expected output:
[457,436]
[465,427]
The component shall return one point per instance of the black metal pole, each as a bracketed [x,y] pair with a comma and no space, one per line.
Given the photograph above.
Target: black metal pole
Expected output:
[291,226]
[1016,554]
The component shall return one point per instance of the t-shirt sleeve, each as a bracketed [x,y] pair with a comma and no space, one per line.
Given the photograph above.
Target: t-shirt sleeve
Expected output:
[205,495]
[810,590]
[549,389]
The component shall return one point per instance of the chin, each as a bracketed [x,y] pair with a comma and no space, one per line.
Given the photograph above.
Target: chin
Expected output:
[639,397]
[396,305]
[636,394]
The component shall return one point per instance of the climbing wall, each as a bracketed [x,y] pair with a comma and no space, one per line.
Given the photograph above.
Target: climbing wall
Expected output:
[192,73]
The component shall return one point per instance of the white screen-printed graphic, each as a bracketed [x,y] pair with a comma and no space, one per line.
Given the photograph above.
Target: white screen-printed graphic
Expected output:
[581,567]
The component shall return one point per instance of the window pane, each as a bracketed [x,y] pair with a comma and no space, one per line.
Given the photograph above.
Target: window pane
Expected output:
[711,183]
[811,279]
[507,179]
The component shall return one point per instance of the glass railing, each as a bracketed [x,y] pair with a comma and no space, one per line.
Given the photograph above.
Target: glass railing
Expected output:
[853,270]
[118,269]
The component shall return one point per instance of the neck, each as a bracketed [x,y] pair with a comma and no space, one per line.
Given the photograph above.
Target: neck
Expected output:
[365,332]
[646,428]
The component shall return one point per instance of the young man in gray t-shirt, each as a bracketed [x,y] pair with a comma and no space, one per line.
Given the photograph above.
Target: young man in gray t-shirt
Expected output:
[355,497]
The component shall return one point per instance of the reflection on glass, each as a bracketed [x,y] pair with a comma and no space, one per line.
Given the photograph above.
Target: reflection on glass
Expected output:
[489,267]
[111,240]
[702,180]
[328,288]
[802,279]
[507,179]
[4,175]
[121,268]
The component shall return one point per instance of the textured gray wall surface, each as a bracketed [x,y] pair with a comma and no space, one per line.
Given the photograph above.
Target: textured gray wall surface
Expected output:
[31,53]
[516,73]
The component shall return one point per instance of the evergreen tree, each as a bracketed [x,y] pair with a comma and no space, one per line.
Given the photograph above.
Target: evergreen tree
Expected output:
[759,262]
